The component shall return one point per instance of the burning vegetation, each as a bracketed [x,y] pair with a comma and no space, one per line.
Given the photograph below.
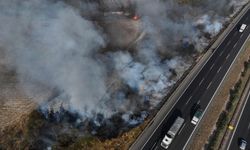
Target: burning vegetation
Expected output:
[101,67]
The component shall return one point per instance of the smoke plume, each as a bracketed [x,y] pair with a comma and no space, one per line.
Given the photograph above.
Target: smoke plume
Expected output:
[60,48]
[51,44]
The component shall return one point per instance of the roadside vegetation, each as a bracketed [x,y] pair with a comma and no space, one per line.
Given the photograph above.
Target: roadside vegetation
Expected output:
[224,118]
[27,137]
[224,102]
[22,137]
[122,142]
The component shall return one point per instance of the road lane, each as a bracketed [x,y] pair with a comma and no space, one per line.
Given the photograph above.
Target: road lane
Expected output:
[221,60]
[242,128]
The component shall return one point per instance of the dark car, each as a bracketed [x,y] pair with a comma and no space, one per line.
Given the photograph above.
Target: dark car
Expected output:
[243,144]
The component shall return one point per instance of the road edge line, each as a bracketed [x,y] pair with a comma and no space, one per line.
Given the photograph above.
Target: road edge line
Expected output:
[228,146]
[207,59]
[216,92]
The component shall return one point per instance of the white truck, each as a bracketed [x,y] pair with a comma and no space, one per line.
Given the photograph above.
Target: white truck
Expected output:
[242,27]
[174,129]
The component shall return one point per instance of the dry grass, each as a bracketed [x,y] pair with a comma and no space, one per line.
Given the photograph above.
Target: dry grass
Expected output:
[219,101]
[122,142]
[14,111]
[15,106]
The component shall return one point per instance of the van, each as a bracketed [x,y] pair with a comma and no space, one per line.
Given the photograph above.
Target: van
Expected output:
[242,27]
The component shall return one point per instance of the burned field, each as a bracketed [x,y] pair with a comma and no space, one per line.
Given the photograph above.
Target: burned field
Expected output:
[102,67]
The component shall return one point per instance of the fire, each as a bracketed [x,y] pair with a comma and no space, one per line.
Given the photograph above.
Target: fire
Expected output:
[135,17]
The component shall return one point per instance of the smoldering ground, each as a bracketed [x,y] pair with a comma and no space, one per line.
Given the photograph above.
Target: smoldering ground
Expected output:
[54,48]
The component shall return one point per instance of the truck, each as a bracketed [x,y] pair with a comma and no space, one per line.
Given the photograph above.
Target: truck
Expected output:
[197,116]
[242,27]
[174,129]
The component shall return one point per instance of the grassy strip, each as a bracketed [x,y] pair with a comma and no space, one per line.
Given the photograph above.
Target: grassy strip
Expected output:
[224,118]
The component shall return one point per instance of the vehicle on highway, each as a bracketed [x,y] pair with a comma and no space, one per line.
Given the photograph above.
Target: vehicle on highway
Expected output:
[174,129]
[242,27]
[197,116]
[243,144]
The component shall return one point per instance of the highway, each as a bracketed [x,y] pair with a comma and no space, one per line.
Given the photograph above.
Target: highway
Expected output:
[242,130]
[201,90]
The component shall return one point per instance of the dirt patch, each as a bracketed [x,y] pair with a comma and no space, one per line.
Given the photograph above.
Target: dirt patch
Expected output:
[220,99]
[122,32]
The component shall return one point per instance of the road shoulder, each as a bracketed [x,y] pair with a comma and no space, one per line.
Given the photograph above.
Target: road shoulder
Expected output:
[207,126]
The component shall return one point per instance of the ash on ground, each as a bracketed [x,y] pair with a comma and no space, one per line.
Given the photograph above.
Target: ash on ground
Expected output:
[104,66]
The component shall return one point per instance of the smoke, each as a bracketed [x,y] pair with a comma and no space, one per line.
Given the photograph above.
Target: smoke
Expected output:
[168,22]
[51,44]
[56,48]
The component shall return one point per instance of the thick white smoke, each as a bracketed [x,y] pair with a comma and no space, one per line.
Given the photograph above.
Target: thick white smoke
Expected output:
[167,22]
[51,44]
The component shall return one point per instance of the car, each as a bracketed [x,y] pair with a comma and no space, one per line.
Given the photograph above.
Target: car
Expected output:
[197,116]
[242,27]
[243,144]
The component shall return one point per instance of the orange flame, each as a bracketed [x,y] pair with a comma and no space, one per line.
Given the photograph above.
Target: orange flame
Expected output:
[135,17]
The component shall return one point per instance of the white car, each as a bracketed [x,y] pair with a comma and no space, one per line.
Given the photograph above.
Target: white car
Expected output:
[196,117]
[242,27]
[166,141]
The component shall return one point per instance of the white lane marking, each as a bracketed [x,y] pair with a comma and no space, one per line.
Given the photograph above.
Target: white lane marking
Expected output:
[241,35]
[238,119]
[184,148]
[228,56]
[153,147]
[209,84]
[181,129]
[195,75]
[235,44]
[202,80]
[211,67]
[219,70]
[189,99]
[220,53]
[228,43]
[248,126]
[199,102]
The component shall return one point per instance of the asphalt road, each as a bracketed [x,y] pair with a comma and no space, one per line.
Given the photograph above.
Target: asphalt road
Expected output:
[202,88]
[242,130]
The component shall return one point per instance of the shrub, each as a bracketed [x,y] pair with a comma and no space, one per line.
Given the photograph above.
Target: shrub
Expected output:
[34,123]
[238,85]
[245,65]
[243,73]
[222,121]
[66,140]
[220,124]
[213,140]
[229,106]
[1,147]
